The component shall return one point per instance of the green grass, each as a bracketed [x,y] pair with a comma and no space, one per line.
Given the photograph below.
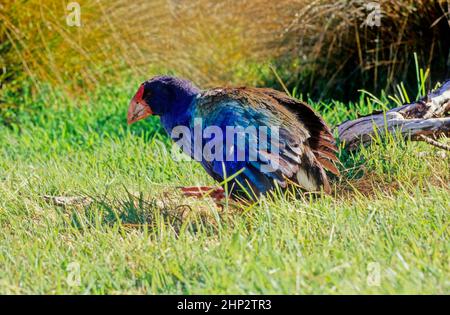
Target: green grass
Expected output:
[390,210]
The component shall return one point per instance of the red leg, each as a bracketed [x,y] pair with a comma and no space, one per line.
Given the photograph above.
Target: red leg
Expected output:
[217,193]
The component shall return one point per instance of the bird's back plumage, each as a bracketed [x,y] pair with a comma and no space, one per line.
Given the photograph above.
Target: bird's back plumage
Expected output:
[305,149]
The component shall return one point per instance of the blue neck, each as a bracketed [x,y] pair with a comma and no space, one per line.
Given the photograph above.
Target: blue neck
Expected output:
[181,113]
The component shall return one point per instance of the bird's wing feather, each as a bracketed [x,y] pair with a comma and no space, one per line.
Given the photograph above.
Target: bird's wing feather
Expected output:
[321,141]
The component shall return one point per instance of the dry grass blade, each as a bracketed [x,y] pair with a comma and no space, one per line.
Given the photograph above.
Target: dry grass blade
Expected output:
[68,200]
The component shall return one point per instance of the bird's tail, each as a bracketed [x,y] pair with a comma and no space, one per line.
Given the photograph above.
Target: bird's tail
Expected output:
[311,176]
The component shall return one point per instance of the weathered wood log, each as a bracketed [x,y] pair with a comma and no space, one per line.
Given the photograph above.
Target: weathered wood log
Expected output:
[427,118]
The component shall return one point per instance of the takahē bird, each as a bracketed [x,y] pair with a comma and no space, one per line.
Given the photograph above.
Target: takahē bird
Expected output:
[275,139]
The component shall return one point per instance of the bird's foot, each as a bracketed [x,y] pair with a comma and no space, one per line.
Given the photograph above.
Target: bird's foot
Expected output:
[216,193]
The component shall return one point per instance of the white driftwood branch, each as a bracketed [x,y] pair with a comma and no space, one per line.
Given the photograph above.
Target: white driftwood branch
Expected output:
[429,117]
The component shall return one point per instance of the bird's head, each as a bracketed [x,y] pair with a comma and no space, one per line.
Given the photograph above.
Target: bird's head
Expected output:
[161,96]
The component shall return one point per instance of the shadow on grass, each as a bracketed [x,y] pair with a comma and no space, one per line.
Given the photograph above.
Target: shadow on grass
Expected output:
[139,212]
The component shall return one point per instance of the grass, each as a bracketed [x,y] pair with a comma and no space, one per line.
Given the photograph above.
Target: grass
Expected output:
[324,47]
[389,210]
[205,40]
[331,40]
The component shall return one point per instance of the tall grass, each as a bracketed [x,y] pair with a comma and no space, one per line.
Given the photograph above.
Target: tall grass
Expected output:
[203,40]
[337,51]
[320,46]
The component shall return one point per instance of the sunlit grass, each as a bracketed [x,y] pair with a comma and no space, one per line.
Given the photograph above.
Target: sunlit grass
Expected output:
[390,208]
[203,40]
[322,47]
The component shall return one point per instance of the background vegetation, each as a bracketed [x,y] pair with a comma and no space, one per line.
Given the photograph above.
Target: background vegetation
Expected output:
[64,94]
[319,46]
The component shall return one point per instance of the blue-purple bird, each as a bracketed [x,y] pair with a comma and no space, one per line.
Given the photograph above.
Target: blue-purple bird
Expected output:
[292,144]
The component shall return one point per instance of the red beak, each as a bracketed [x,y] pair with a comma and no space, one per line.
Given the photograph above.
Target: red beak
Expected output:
[138,108]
